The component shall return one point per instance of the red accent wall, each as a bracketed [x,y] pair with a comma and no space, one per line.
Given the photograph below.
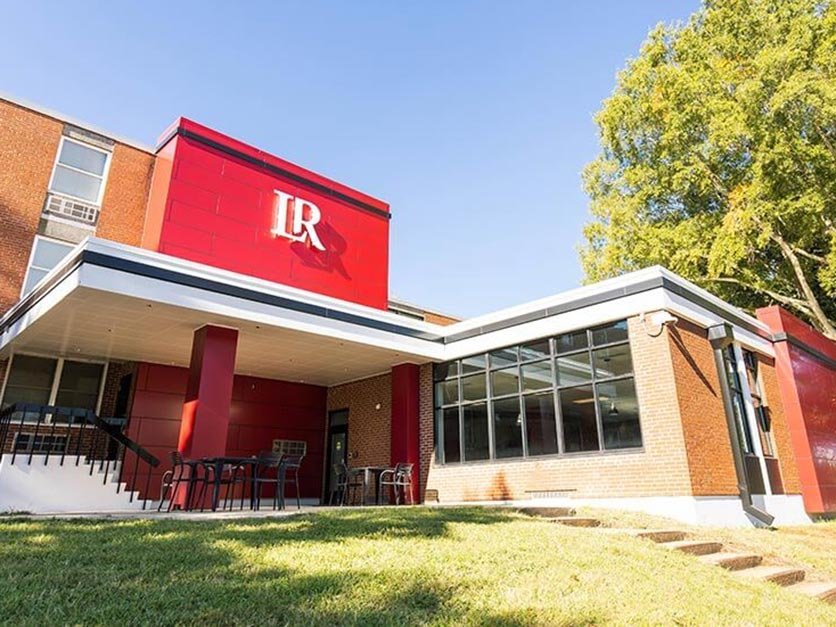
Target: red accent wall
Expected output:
[808,392]
[210,207]
[405,444]
[262,410]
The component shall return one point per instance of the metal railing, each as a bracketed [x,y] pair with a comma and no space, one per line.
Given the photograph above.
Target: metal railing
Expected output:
[63,434]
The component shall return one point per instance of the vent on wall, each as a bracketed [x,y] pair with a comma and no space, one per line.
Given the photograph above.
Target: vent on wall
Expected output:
[290,447]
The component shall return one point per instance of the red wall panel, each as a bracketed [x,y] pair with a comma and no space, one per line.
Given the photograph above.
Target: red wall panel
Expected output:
[808,391]
[262,410]
[213,206]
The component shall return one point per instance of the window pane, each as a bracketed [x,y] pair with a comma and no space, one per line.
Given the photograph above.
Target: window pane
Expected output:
[612,362]
[450,418]
[30,380]
[537,376]
[504,357]
[535,350]
[541,430]
[619,414]
[616,332]
[476,432]
[49,254]
[474,387]
[504,382]
[83,158]
[447,392]
[569,342]
[442,371]
[79,385]
[473,364]
[76,184]
[573,369]
[577,409]
[507,423]
[32,279]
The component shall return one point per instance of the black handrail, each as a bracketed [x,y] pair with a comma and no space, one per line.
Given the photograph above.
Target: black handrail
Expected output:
[90,450]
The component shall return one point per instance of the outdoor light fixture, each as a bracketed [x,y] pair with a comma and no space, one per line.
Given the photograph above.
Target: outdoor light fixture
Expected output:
[659,319]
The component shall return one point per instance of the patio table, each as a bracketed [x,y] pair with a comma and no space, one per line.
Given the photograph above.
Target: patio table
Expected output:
[368,472]
[217,464]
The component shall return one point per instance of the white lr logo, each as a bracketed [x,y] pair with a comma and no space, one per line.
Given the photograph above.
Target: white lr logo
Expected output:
[301,228]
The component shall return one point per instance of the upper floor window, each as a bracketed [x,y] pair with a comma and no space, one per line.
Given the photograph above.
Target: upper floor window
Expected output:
[80,171]
[46,254]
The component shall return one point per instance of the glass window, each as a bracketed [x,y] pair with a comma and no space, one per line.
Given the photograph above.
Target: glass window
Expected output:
[614,361]
[443,371]
[619,414]
[46,255]
[573,369]
[473,364]
[473,387]
[79,171]
[580,428]
[30,380]
[569,342]
[79,385]
[616,332]
[537,376]
[476,432]
[535,350]
[541,429]
[450,418]
[507,422]
[505,382]
[447,392]
[504,357]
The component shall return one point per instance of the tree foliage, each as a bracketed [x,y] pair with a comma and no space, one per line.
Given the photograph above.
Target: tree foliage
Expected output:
[718,157]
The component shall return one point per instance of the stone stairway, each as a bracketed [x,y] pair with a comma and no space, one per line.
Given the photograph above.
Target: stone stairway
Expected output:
[747,566]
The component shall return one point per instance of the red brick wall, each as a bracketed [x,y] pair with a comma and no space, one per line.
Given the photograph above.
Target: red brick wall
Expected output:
[707,440]
[369,405]
[28,147]
[780,427]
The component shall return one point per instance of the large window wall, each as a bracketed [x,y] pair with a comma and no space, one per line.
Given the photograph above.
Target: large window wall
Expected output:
[572,393]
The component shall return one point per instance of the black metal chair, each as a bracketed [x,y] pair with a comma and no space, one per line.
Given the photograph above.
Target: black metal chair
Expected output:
[289,473]
[347,481]
[266,472]
[400,478]
[182,469]
[231,475]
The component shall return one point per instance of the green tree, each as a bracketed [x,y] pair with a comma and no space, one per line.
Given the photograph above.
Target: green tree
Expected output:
[718,157]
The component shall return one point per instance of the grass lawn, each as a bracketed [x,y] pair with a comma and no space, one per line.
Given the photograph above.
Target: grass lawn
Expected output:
[377,566]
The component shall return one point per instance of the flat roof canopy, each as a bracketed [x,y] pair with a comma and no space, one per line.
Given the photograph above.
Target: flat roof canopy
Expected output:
[107,300]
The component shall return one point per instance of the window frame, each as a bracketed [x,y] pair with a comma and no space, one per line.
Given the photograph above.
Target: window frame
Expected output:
[554,389]
[56,379]
[104,175]
[29,265]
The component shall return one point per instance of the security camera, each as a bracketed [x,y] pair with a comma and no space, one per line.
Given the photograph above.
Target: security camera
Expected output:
[663,318]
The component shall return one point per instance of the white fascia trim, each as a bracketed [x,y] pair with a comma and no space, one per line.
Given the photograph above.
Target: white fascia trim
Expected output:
[61,117]
[176,264]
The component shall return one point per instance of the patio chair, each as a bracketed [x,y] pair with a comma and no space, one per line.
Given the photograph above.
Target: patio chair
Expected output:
[231,476]
[289,473]
[267,473]
[400,478]
[346,481]
[181,470]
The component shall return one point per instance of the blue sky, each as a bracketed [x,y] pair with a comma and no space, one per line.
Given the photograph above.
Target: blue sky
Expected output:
[472,119]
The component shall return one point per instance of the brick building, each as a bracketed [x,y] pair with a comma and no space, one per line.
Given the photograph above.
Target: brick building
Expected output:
[219,300]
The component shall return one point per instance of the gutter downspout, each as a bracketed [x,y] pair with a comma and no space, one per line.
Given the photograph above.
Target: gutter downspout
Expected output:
[720,337]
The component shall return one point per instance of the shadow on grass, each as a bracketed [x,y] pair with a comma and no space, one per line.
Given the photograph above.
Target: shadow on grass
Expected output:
[168,571]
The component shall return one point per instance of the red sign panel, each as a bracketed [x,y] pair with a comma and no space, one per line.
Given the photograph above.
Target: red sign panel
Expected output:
[218,201]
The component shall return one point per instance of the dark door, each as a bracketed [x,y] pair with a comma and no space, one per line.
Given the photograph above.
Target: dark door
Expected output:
[337,447]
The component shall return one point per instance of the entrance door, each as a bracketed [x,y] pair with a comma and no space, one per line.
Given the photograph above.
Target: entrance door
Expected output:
[337,447]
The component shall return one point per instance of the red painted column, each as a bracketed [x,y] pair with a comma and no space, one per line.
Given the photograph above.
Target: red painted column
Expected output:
[205,418]
[405,444]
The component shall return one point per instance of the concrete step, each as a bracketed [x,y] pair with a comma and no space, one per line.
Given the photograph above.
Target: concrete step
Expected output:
[659,535]
[732,561]
[694,547]
[575,521]
[548,512]
[821,590]
[781,575]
